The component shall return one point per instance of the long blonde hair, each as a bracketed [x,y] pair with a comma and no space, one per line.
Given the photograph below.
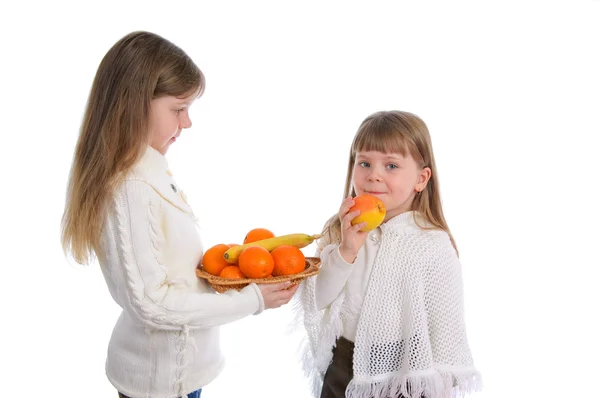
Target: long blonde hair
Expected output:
[115,132]
[396,132]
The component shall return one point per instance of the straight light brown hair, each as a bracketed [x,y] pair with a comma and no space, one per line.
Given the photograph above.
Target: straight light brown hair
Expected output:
[115,130]
[396,132]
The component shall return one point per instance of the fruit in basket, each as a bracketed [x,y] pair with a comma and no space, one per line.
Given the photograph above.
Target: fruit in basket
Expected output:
[257,234]
[256,262]
[232,272]
[298,240]
[288,260]
[372,211]
[213,261]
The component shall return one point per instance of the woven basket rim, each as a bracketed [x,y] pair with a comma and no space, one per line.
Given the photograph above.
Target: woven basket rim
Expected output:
[311,268]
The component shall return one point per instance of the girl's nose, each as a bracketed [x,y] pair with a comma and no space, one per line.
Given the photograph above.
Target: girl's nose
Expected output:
[374,175]
[186,122]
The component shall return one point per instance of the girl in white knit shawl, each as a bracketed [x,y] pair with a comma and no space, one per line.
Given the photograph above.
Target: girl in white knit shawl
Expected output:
[384,317]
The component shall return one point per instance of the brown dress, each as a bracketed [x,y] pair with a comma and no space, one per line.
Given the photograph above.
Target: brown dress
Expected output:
[339,373]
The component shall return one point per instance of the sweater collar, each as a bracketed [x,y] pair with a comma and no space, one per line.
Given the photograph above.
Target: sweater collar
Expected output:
[152,162]
[153,169]
[406,219]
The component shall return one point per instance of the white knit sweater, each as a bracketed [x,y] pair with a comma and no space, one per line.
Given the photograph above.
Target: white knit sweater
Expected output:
[401,302]
[165,344]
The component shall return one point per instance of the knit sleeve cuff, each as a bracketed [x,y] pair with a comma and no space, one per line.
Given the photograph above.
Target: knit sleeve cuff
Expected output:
[337,258]
[261,302]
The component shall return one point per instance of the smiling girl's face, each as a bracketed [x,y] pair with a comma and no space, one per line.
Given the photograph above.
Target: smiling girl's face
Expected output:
[391,177]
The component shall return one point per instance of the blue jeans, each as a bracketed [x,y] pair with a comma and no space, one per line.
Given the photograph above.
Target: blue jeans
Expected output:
[195,394]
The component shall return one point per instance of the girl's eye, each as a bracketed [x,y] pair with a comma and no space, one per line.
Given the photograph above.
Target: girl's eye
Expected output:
[392,166]
[364,164]
[178,111]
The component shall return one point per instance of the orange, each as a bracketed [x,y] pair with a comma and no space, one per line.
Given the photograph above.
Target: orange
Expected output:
[232,272]
[213,261]
[258,234]
[288,260]
[372,211]
[256,262]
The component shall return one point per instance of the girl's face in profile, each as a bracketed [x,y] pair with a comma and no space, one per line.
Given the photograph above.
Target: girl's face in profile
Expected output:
[168,117]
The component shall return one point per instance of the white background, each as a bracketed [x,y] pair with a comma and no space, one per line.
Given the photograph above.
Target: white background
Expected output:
[509,89]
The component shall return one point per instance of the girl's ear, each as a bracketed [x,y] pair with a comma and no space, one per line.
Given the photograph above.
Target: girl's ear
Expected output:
[423,179]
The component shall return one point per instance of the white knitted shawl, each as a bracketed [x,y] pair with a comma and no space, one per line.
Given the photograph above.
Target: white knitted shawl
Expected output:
[411,336]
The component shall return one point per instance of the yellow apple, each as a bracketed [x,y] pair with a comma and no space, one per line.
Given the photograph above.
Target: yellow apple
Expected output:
[372,211]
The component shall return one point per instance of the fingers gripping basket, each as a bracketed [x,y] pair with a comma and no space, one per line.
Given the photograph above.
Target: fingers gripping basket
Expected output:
[221,285]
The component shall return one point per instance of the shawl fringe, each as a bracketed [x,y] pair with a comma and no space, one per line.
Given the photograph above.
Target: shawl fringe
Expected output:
[432,383]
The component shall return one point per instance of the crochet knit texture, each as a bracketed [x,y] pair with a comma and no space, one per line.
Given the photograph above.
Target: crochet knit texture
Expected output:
[411,336]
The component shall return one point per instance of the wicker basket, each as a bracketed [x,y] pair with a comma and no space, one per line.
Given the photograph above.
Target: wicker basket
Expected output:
[222,285]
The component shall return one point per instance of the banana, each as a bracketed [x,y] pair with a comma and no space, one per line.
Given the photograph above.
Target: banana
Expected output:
[298,240]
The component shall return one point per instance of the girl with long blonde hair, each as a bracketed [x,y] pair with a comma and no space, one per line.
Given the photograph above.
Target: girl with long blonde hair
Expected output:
[124,207]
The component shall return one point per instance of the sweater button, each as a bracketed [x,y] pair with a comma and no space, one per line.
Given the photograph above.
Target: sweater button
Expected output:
[174,189]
